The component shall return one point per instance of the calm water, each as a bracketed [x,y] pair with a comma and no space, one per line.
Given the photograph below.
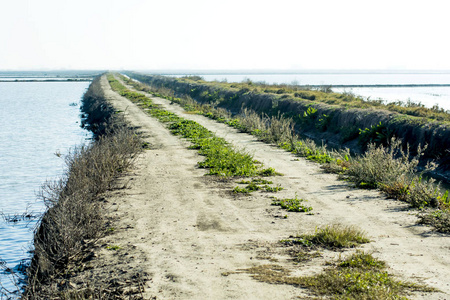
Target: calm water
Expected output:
[428,96]
[37,120]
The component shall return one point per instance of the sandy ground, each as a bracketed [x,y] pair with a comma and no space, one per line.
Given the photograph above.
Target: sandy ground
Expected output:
[183,235]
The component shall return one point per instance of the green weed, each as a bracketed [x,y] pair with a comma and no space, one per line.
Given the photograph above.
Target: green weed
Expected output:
[113,247]
[359,276]
[294,204]
[334,236]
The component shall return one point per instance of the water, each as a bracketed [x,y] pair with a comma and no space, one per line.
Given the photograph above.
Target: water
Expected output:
[429,96]
[37,121]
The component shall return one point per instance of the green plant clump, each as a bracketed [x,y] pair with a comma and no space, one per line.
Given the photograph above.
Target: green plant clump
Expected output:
[360,276]
[333,236]
[294,204]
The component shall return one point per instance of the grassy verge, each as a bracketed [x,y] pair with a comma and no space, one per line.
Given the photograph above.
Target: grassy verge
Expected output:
[75,217]
[385,165]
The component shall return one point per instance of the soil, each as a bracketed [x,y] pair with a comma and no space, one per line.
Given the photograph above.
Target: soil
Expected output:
[178,234]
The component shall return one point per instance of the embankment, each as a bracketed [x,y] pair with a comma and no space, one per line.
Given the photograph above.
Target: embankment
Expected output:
[75,216]
[339,120]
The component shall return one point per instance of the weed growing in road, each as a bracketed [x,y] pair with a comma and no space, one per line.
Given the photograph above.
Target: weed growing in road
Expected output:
[273,189]
[359,276]
[256,180]
[113,247]
[332,236]
[439,219]
[294,204]
[257,184]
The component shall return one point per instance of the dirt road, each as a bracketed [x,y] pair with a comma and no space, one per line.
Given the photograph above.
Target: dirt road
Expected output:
[190,235]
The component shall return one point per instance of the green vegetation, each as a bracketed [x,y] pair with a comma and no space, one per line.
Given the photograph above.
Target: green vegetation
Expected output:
[341,116]
[220,157]
[257,184]
[385,165]
[439,219]
[331,236]
[294,204]
[113,247]
[357,276]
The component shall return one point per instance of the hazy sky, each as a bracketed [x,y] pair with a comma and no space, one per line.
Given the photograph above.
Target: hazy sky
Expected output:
[232,34]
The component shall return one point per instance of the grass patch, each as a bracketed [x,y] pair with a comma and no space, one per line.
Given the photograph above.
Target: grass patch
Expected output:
[113,247]
[256,184]
[359,276]
[332,237]
[294,204]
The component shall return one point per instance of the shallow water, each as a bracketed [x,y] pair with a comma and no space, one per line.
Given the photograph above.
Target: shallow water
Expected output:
[37,121]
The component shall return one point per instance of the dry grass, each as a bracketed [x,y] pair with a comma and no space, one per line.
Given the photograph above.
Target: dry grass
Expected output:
[395,172]
[358,276]
[332,236]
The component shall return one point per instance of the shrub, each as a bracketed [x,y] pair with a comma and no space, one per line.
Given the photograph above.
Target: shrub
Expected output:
[395,172]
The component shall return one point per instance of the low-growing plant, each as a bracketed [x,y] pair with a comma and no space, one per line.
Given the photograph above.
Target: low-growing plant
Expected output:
[256,180]
[359,276]
[377,134]
[334,236]
[251,187]
[293,204]
[273,189]
[347,282]
[256,185]
[113,247]
[439,219]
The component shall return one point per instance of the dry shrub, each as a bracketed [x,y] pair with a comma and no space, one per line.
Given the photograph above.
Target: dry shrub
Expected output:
[395,172]
[439,219]
[275,129]
[74,214]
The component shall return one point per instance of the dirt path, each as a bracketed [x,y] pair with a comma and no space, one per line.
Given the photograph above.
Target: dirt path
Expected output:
[190,234]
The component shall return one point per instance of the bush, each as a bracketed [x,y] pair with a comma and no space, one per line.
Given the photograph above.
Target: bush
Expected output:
[395,172]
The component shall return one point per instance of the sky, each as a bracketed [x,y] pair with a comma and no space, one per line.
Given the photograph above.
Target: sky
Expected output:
[226,35]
